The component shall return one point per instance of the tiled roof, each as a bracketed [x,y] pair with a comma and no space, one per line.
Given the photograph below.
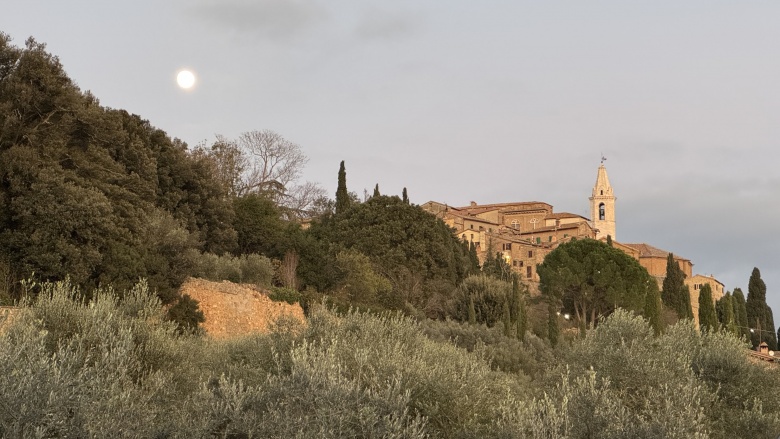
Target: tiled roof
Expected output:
[648,251]
[471,218]
[524,205]
[563,215]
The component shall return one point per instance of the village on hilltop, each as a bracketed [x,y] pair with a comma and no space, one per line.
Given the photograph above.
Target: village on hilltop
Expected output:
[524,233]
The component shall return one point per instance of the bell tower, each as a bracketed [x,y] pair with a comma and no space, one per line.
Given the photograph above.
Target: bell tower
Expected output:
[602,205]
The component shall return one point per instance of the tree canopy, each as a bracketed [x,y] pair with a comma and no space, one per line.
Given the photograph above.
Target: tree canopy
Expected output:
[674,293]
[589,279]
[759,314]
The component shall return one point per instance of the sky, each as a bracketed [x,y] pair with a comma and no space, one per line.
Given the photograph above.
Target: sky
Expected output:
[490,101]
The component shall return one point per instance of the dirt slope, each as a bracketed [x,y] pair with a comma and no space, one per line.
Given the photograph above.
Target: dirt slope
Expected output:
[233,310]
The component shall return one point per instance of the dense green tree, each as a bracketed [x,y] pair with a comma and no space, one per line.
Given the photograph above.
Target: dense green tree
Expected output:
[553,325]
[759,314]
[589,279]
[725,310]
[87,191]
[490,297]
[708,319]
[342,196]
[653,309]
[520,311]
[404,196]
[474,266]
[740,312]
[360,282]
[415,250]
[260,227]
[376,191]
[675,293]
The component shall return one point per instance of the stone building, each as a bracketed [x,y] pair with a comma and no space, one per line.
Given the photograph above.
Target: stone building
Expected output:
[525,232]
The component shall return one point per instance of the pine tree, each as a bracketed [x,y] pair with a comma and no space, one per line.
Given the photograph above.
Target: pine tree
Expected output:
[342,196]
[405,196]
[708,320]
[652,310]
[376,191]
[759,314]
[674,293]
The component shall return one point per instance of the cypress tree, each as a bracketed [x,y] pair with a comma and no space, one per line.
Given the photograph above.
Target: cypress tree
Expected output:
[652,310]
[674,293]
[342,196]
[759,315]
[473,258]
[472,311]
[507,319]
[521,314]
[609,240]
[708,320]
[405,196]
[740,312]
[553,330]
[725,310]
[376,191]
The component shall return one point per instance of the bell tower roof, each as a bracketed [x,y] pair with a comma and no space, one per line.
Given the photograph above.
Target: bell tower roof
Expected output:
[602,205]
[602,187]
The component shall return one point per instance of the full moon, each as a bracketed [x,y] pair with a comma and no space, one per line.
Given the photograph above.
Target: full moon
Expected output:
[185,79]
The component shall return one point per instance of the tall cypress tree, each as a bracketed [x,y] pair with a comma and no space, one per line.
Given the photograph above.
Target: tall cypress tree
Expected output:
[740,312]
[708,320]
[405,196]
[521,314]
[674,293]
[725,310]
[553,329]
[759,314]
[652,310]
[376,191]
[473,258]
[342,196]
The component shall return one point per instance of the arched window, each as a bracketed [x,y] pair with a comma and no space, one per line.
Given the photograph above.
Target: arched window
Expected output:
[602,192]
[601,212]
[515,224]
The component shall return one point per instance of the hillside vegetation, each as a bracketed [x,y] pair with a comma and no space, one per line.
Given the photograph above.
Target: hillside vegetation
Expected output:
[113,367]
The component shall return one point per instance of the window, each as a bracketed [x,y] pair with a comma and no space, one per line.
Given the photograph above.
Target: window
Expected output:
[565,235]
[481,228]
[471,226]
[538,239]
[602,192]
[528,272]
[515,224]
[601,212]
[549,238]
[530,253]
[519,263]
[509,246]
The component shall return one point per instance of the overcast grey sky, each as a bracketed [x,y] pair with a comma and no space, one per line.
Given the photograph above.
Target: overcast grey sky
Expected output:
[491,101]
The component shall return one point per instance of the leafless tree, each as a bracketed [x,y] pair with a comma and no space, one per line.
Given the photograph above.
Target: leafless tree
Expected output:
[299,200]
[274,163]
